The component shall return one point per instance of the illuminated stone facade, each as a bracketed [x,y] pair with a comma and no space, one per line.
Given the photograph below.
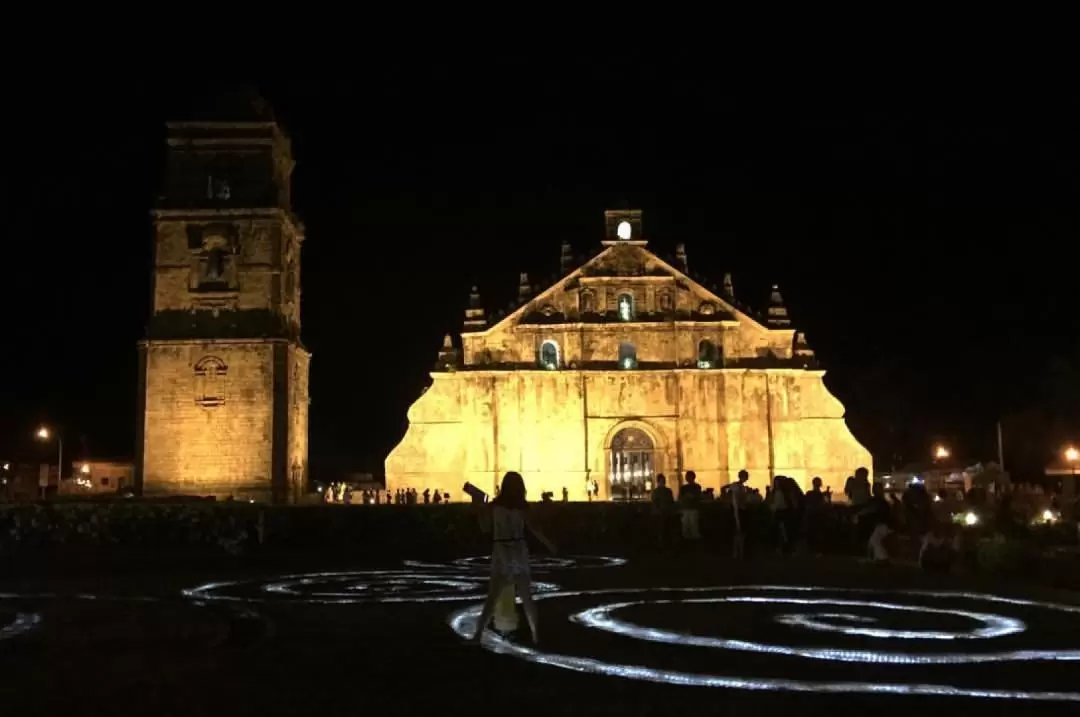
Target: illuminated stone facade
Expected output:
[624,368]
[223,386]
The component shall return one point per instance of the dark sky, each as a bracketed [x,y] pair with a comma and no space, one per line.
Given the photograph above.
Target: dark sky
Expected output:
[924,239]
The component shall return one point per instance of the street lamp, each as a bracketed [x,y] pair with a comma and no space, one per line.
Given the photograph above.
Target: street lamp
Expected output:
[45,434]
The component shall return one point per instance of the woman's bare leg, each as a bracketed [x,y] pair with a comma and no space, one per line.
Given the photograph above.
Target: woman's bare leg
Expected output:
[524,590]
[494,587]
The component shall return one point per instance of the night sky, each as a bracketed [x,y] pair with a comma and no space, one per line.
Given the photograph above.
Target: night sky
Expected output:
[926,241]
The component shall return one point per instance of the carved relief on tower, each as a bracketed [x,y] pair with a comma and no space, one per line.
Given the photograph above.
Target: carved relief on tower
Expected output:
[210,376]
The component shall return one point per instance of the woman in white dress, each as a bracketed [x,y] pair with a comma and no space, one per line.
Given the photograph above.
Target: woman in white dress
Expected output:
[510,552]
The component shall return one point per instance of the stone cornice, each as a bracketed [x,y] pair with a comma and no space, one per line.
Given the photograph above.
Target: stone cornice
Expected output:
[619,325]
[240,141]
[206,215]
[230,342]
[609,280]
[618,371]
[217,213]
[204,124]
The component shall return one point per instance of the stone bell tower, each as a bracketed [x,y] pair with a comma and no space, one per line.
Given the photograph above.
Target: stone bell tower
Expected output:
[223,377]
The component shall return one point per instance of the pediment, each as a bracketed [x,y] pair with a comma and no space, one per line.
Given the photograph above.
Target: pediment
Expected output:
[624,261]
[630,265]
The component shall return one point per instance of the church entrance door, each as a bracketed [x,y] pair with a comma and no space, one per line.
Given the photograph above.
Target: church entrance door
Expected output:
[632,467]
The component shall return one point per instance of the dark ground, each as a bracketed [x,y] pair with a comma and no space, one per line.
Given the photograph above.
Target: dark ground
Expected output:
[115,655]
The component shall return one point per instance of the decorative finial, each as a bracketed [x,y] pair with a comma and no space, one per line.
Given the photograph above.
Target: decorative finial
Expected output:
[778,316]
[680,257]
[524,288]
[448,355]
[566,258]
[729,287]
[802,346]
[474,315]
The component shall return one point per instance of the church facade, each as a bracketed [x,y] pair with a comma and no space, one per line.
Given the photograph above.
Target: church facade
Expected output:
[223,376]
[624,368]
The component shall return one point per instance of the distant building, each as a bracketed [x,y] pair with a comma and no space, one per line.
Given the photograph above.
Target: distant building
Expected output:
[27,481]
[99,477]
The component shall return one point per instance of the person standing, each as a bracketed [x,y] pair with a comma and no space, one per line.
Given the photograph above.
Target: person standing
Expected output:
[663,506]
[510,553]
[738,500]
[689,501]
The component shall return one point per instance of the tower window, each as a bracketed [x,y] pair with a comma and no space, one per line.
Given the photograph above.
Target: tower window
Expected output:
[625,306]
[627,355]
[549,355]
[708,355]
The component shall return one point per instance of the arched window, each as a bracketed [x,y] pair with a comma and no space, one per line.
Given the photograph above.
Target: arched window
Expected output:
[549,355]
[708,355]
[627,355]
[625,305]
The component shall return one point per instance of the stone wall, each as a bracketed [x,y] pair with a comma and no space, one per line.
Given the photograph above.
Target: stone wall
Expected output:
[556,427]
[208,430]
[299,400]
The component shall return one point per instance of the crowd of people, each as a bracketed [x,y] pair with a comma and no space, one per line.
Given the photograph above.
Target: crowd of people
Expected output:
[346,494]
[878,520]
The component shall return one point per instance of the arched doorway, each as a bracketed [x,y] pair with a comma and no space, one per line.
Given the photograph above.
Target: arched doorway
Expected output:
[632,464]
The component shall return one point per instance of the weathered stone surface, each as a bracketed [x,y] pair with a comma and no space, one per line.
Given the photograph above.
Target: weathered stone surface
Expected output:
[224,379]
[762,406]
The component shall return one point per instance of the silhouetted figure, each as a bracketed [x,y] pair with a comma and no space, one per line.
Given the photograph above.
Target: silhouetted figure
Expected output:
[689,500]
[438,497]
[740,497]
[857,487]
[815,505]
[427,495]
[565,495]
[876,515]
[663,507]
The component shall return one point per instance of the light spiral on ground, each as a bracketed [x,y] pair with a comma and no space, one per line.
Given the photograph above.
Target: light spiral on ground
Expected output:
[537,563]
[22,623]
[959,645]
[351,588]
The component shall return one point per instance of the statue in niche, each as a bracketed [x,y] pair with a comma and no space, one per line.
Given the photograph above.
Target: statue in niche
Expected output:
[588,302]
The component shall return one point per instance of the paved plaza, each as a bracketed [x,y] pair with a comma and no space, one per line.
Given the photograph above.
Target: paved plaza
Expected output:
[299,635]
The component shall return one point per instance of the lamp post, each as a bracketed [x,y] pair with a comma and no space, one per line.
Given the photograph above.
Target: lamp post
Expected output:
[44,434]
